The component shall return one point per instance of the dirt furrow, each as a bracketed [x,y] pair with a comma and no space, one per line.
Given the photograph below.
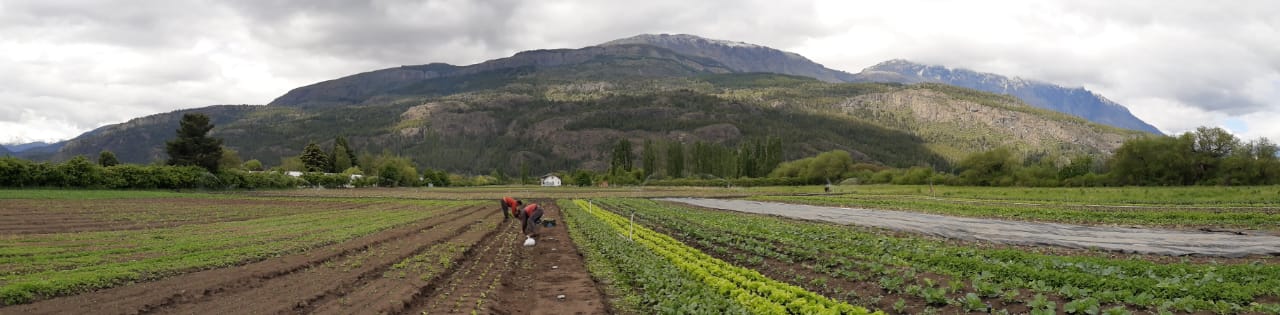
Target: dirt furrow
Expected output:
[552,268]
[398,286]
[467,288]
[297,292]
[211,284]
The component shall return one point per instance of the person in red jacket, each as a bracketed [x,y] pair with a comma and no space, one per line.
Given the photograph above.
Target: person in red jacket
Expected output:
[531,216]
[509,207]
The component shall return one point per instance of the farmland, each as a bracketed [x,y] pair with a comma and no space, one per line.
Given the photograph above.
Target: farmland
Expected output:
[1250,208]
[446,251]
[911,274]
[272,255]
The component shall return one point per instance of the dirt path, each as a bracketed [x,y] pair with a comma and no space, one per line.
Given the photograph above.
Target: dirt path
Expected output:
[504,277]
[1127,240]
[552,268]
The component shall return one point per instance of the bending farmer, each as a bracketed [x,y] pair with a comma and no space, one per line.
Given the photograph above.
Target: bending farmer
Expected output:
[509,207]
[531,217]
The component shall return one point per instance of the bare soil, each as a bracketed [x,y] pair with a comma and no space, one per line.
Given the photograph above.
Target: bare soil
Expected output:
[60,216]
[495,274]
[552,268]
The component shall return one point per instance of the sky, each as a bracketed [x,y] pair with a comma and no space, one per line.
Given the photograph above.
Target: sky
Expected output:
[67,67]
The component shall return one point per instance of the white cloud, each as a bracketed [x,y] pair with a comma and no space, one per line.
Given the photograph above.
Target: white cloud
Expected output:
[72,66]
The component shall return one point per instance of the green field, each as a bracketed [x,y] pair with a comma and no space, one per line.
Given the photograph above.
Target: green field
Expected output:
[651,257]
[41,265]
[1189,207]
[902,273]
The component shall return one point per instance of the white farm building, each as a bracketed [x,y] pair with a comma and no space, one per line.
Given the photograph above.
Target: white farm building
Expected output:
[550,180]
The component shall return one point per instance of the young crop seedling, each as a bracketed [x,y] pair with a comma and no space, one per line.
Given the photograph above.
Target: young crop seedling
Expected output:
[935,296]
[1082,306]
[1011,295]
[972,303]
[900,306]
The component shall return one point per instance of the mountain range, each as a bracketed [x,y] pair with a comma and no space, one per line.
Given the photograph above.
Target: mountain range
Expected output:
[1075,101]
[561,109]
[36,150]
[20,147]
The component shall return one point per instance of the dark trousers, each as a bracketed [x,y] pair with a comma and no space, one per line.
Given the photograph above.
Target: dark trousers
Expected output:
[531,221]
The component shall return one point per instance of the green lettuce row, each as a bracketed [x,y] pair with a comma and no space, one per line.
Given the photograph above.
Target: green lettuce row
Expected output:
[1193,286]
[649,283]
[759,293]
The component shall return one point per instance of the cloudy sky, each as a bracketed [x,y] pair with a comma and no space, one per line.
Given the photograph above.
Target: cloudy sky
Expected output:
[67,67]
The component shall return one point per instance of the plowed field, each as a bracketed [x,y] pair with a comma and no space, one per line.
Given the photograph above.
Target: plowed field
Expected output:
[450,259]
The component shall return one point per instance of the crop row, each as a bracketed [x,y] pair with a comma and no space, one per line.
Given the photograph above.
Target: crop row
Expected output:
[896,264]
[754,291]
[1184,196]
[472,278]
[46,265]
[1264,218]
[646,282]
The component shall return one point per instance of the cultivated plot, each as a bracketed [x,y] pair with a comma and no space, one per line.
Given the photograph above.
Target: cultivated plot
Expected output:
[331,257]
[902,273]
[1128,240]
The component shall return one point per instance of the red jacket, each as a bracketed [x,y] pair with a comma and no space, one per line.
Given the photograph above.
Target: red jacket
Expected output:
[528,210]
[511,203]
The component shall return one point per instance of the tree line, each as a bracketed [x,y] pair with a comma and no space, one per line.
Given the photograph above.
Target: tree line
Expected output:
[199,161]
[1206,156]
[752,158]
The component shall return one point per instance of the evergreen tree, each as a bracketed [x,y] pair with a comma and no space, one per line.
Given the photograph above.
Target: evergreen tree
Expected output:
[675,159]
[193,146]
[582,178]
[107,159]
[340,157]
[748,155]
[313,159]
[726,162]
[524,173]
[621,159]
[649,158]
[772,155]
[340,146]
[700,158]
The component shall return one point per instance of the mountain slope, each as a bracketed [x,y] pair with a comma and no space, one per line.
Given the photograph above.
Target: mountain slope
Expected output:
[739,56]
[477,132]
[563,109]
[26,146]
[954,122]
[37,151]
[1074,101]
[563,126]
[444,79]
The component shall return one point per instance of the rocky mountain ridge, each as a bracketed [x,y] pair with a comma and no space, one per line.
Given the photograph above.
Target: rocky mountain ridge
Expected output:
[1075,101]
[561,109]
